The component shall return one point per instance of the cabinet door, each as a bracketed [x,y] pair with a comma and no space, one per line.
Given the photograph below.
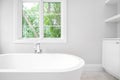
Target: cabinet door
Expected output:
[111,56]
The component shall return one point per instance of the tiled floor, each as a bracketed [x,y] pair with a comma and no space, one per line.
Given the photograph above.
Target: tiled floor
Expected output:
[96,76]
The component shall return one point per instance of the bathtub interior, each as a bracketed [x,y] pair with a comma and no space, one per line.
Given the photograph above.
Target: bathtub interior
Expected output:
[40,62]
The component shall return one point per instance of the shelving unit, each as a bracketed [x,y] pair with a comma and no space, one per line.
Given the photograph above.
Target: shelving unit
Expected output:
[115,18]
[111,2]
[111,42]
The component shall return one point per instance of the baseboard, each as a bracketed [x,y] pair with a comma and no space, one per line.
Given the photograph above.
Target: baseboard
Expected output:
[93,67]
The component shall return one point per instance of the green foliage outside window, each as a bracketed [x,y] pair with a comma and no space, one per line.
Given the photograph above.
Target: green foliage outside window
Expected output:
[30,20]
[52,20]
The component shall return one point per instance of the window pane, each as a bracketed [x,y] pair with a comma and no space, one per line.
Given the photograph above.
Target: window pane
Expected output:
[52,19]
[30,20]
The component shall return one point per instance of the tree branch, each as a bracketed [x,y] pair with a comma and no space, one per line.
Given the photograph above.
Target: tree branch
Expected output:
[30,25]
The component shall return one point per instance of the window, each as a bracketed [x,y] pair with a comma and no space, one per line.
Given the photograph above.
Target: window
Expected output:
[39,21]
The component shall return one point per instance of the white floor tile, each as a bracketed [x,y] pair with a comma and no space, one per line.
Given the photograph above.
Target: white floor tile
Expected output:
[97,76]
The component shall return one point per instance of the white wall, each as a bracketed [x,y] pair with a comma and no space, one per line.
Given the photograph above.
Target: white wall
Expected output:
[85,31]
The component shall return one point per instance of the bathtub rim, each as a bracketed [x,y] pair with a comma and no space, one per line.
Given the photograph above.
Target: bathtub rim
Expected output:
[37,70]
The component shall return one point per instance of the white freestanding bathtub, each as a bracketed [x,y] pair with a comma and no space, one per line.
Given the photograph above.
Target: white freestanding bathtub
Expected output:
[45,66]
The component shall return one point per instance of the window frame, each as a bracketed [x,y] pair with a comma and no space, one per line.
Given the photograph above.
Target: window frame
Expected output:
[17,23]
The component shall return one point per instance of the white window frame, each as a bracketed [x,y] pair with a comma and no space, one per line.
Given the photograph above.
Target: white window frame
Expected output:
[17,23]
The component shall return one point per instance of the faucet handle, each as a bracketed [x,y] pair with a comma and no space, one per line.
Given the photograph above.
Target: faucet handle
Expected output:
[37,44]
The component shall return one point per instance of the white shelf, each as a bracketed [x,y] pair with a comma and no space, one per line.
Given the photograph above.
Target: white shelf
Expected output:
[111,2]
[115,18]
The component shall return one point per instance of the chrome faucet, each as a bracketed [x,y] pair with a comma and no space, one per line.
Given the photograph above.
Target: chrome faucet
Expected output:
[37,48]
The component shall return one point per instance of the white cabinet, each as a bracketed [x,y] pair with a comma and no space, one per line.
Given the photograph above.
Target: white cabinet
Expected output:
[111,56]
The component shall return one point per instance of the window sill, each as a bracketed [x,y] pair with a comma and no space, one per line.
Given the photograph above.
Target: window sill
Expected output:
[38,40]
